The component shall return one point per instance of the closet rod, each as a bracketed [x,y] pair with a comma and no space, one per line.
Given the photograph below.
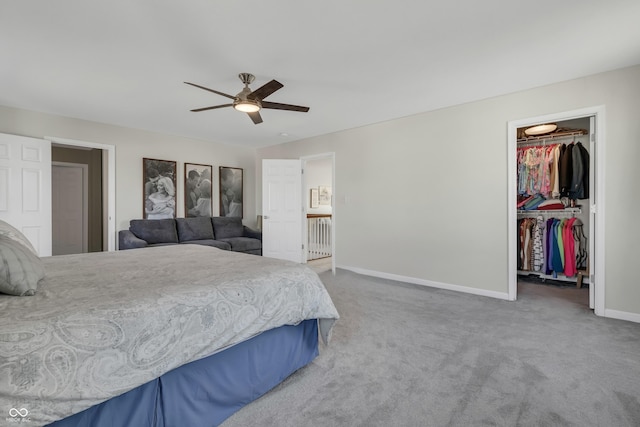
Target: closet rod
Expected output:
[550,212]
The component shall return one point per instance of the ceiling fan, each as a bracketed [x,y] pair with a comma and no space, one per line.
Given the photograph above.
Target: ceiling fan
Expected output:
[251,102]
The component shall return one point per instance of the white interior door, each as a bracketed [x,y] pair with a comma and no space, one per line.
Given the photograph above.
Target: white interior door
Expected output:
[282,209]
[69,197]
[25,188]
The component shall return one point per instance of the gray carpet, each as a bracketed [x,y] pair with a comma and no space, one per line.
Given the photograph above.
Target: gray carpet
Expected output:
[405,355]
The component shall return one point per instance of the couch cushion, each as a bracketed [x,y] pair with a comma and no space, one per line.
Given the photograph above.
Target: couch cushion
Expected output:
[243,244]
[155,230]
[210,242]
[20,269]
[225,227]
[194,228]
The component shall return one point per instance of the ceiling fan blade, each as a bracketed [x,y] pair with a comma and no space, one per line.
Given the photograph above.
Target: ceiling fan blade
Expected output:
[265,90]
[278,106]
[211,90]
[211,108]
[256,117]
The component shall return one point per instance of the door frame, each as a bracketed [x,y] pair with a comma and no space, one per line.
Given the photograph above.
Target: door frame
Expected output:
[305,159]
[108,183]
[597,199]
[85,197]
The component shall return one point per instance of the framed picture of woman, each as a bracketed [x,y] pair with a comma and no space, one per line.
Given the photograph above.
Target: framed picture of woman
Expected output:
[159,189]
[197,190]
[231,191]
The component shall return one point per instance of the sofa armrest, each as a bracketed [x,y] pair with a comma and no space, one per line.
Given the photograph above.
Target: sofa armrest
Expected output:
[128,240]
[250,232]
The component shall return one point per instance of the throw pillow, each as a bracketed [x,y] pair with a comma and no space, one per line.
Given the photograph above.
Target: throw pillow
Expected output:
[20,269]
[13,233]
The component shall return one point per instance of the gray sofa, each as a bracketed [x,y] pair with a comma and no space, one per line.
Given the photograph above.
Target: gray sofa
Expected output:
[226,233]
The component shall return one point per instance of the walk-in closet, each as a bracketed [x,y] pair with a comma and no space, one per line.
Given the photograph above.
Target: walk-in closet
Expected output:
[554,191]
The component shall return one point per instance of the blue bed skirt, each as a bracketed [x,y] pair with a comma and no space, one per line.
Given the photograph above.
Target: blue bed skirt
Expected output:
[208,391]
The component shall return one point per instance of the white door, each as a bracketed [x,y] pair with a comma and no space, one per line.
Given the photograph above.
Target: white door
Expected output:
[69,198]
[25,188]
[282,209]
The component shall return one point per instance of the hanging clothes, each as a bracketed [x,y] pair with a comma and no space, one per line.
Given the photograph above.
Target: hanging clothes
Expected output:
[535,169]
[548,245]
[553,171]
[580,173]
[552,246]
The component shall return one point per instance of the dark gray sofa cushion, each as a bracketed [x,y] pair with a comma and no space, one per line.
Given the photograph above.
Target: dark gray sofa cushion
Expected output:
[198,228]
[155,231]
[210,242]
[128,240]
[243,244]
[225,227]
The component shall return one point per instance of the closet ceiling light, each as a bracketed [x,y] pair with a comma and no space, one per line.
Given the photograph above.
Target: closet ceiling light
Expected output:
[541,129]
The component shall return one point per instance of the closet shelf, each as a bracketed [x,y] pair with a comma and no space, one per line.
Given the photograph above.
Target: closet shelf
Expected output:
[551,212]
[552,136]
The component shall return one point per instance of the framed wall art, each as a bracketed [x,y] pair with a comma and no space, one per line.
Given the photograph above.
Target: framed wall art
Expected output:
[313,198]
[197,190]
[324,196]
[159,188]
[231,189]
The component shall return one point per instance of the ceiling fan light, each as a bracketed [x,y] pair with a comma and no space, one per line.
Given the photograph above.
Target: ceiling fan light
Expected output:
[247,106]
[541,129]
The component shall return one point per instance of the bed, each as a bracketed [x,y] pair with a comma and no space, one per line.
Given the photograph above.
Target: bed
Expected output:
[159,337]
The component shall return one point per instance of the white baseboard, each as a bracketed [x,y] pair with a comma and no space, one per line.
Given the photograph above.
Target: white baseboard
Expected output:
[428,283]
[622,315]
[613,314]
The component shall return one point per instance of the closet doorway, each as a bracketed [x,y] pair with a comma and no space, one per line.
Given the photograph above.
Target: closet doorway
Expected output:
[108,191]
[538,209]
[78,215]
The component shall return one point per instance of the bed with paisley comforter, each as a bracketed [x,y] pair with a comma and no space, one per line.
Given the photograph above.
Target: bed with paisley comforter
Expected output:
[172,335]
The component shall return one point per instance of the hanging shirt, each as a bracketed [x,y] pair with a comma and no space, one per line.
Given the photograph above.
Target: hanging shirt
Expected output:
[560,237]
[566,169]
[522,172]
[538,252]
[569,249]
[555,172]
[550,244]
[545,171]
[557,260]
[581,245]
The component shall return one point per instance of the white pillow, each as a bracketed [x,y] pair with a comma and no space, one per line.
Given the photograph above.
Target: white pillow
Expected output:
[20,269]
[13,233]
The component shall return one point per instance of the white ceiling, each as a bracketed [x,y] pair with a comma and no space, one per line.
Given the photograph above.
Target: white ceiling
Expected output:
[353,62]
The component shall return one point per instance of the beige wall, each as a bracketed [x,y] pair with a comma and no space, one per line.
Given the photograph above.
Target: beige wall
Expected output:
[131,146]
[425,196]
